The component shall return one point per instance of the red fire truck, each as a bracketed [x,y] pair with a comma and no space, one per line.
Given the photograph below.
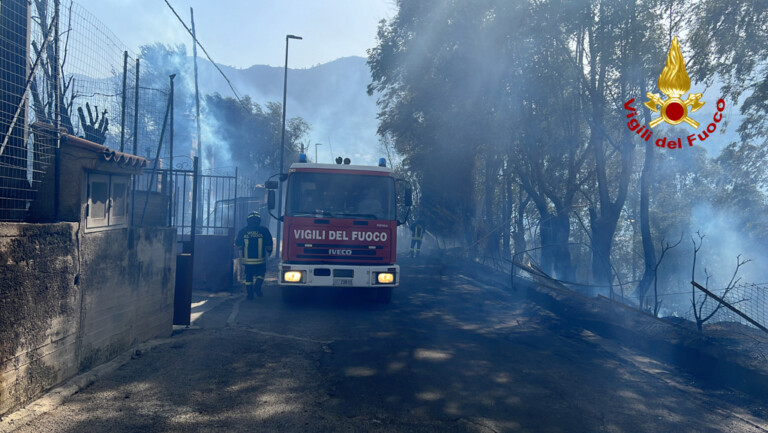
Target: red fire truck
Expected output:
[339,228]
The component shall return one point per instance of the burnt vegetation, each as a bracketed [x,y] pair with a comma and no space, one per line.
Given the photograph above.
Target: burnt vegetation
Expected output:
[509,120]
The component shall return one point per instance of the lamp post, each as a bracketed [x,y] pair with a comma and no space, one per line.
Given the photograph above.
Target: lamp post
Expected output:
[317,144]
[282,149]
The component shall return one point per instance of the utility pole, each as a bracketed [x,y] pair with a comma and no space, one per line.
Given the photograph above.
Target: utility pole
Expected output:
[282,148]
[197,89]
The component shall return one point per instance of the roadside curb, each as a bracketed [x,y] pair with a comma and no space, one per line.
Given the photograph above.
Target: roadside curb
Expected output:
[57,395]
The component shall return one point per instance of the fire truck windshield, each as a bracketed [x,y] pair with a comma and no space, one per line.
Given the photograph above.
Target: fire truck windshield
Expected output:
[340,195]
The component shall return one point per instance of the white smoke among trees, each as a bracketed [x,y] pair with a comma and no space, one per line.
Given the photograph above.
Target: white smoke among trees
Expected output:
[483,99]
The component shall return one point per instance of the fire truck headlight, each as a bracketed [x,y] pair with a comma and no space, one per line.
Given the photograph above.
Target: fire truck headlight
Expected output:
[293,276]
[385,278]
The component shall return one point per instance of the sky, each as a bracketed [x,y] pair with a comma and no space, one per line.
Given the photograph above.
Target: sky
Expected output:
[243,33]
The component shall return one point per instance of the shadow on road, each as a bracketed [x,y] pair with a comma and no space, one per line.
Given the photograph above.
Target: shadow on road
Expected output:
[340,298]
[449,354]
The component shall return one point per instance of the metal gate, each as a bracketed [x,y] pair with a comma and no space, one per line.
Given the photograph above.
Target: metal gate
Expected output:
[207,211]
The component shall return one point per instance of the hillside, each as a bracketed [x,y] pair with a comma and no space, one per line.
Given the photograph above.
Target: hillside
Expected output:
[331,97]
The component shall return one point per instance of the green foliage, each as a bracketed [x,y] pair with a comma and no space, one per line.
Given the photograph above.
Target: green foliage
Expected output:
[466,88]
[252,134]
[243,132]
[741,189]
[730,43]
[492,104]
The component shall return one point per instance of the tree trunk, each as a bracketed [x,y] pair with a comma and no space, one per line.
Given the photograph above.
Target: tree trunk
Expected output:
[490,244]
[555,253]
[518,236]
[649,252]
[506,248]
[562,234]
[603,229]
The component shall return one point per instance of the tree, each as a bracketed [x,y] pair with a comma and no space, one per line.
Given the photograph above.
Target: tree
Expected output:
[698,302]
[251,135]
[537,125]
[157,62]
[613,41]
[239,132]
[471,123]
[730,45]
[52,64]
[665,246]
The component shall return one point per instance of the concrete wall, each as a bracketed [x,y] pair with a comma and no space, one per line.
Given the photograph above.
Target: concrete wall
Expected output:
[156,213]
[71,300]
[39,309]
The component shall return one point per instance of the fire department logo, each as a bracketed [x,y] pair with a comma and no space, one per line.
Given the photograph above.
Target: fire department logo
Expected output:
[674,82]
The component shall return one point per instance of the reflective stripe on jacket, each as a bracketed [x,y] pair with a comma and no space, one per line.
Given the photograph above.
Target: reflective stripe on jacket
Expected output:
[253,248]
[418,233]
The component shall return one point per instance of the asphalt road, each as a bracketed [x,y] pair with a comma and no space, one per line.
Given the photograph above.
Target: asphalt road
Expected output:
[449,354]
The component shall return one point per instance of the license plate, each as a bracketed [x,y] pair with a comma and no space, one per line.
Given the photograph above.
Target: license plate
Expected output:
[342,281]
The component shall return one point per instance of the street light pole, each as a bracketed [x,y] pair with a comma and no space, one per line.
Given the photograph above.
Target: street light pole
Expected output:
[317,144]
[282,150]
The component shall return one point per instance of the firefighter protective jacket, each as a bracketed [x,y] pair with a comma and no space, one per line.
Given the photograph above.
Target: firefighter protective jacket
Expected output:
[255,243]
[417,232]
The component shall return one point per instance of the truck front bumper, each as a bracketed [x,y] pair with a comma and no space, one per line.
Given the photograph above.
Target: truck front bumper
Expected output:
[311,275]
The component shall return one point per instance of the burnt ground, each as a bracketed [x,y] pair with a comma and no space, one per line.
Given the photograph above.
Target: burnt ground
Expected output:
[455,351]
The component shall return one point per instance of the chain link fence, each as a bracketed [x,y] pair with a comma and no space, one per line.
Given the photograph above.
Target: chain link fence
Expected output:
[61,70]
[751,300]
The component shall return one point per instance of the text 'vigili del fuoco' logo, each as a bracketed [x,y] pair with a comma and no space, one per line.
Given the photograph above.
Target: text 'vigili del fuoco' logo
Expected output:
[674,83]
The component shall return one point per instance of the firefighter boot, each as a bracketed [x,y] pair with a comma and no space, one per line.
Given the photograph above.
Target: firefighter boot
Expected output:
[249,290]
[257,287]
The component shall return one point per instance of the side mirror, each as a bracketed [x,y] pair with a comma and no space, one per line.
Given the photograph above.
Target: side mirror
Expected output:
[270,184]
[408,202]
[271,199]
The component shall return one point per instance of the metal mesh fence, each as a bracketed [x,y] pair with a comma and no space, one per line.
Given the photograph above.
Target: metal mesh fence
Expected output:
[84,81]
[749,299]
[99,74]
[15,183]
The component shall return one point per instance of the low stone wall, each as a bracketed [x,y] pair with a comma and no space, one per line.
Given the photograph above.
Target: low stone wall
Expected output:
[71,300]
[39,309]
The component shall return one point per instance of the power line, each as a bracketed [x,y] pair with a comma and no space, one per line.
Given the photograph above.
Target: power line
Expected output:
[237,96]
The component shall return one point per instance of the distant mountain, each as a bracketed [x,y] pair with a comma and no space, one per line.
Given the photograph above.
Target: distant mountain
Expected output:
[331,97]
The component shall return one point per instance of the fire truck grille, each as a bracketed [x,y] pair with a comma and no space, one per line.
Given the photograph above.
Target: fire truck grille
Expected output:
[366,247]
[328,256]
[328,251]
[340,252]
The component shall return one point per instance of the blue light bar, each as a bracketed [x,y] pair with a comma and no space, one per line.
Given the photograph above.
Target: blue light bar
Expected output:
[382,162]
[302,157]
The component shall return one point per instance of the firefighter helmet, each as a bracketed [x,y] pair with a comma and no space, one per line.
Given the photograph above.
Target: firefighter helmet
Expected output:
[254,217]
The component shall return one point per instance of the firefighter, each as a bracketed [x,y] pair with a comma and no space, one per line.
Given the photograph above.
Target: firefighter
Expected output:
[255,244]
[417,234]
